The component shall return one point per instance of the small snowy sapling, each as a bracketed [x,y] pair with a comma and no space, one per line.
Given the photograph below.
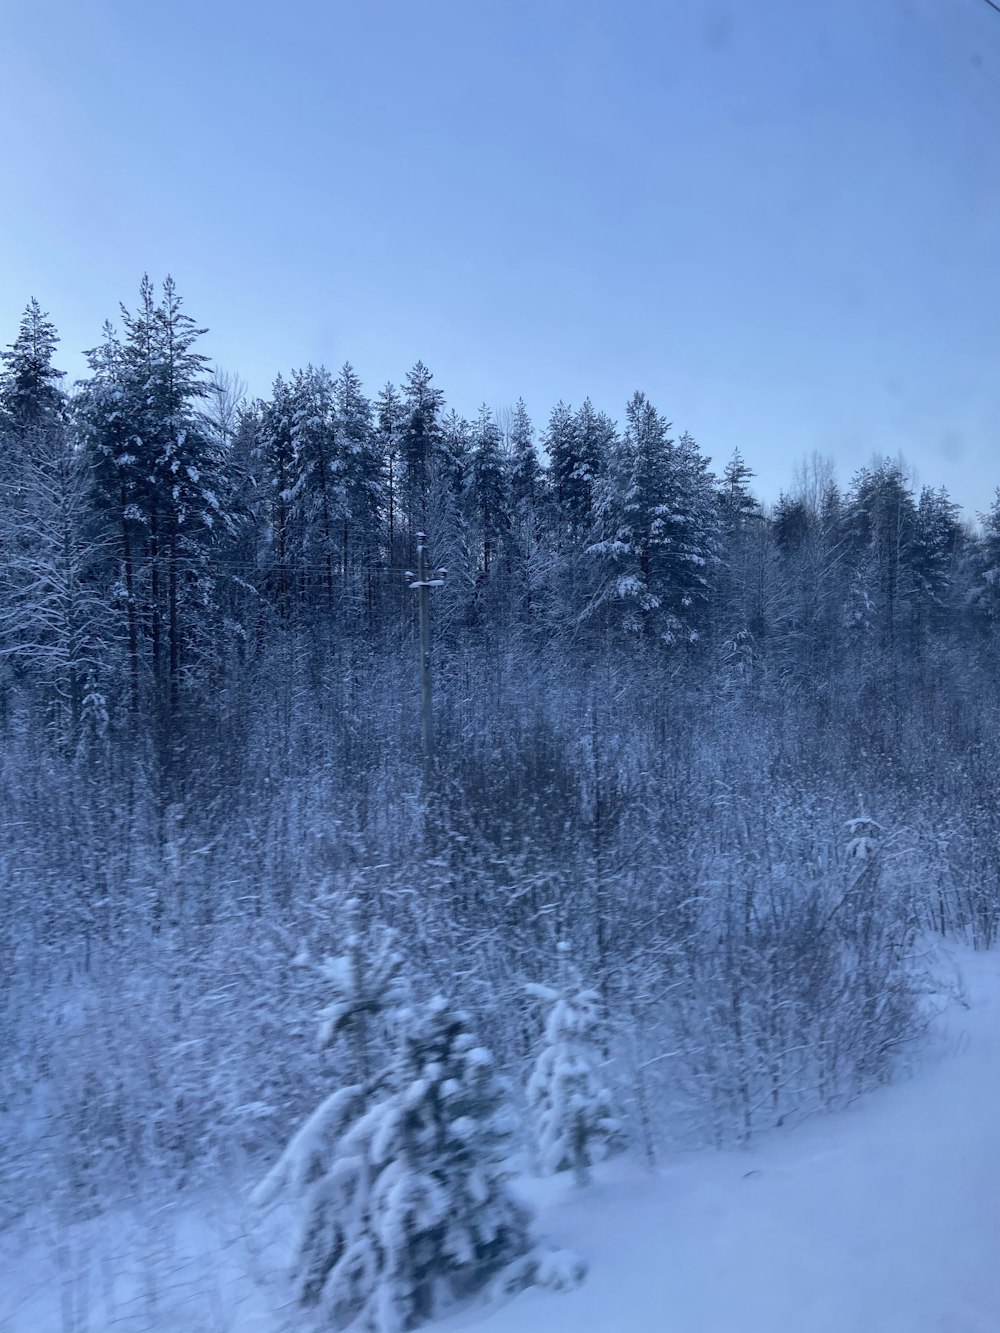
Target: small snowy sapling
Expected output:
[574,1124]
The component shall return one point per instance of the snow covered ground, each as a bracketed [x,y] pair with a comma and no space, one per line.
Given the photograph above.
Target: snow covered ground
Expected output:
[884,1218]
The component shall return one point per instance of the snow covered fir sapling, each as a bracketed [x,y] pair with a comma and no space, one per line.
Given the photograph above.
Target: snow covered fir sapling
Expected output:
[402,1178]
[572,1109]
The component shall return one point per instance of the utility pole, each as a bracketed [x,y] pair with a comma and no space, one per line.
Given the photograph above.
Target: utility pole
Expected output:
[422,584]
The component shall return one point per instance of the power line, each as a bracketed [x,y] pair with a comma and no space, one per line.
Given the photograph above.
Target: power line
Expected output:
[993,5]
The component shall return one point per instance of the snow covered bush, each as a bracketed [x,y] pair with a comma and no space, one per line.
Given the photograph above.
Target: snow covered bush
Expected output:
[574,1123]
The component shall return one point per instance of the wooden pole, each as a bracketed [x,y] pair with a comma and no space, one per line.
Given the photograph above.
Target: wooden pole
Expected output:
[424,605]
[422,582]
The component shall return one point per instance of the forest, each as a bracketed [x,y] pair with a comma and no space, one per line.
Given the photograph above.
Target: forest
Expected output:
[711,776]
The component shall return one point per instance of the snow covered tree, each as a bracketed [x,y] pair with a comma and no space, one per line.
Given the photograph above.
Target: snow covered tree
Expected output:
[524,468]
[939,542]
[390,418]
[32,424]
[578,444]
[405,1174]
[489,485]
[989,561]
[882,541]
[158,483]
[317,487]
[359,464]
[423,405]
[736,501]
[274,467]
[53,622]
[30,393]
[444,1220]
[792,524]
[745,545]
[449,518]
[657,530]
[574,1122]
[335,1261]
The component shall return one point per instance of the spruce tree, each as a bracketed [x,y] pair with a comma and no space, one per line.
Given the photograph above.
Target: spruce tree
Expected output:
[523,464]
[939,544]
[404,1172]
[633,513]
[423,405]
[989,561]
[882,544]
[158,479]
[360,465]
[578,444]
[118,491]
[390,417]
[574,1122]
[30,391]
[317,489]
[274,464]
[445,1222]
[336,1263]
[658,542]
[33,410]
[489,486]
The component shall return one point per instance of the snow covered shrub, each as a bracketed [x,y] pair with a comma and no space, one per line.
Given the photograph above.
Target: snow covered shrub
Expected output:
[574,1124]
[790,992]
[404,1175]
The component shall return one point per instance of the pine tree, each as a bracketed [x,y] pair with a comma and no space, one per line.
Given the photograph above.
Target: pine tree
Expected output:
[390,419]
[989,560]
[739,506]
[574,1123]
[423,405]
[744,552]
[158,478]
[274,464]
[488,486]
[32,408]
[939,542]
[881,538]
[578,444]
[30,392]
[317,489]
[360,466]
[658,540]
[524,467]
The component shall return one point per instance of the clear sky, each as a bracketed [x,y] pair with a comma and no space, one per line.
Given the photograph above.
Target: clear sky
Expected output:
[780,219]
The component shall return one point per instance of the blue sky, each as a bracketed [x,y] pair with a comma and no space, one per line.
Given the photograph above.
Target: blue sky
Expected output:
[781,220]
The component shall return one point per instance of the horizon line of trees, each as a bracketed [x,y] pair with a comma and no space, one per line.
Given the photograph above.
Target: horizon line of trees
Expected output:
[159,530]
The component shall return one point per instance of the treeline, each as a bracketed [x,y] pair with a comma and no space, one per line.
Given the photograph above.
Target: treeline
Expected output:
[160,533]
[658,706]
